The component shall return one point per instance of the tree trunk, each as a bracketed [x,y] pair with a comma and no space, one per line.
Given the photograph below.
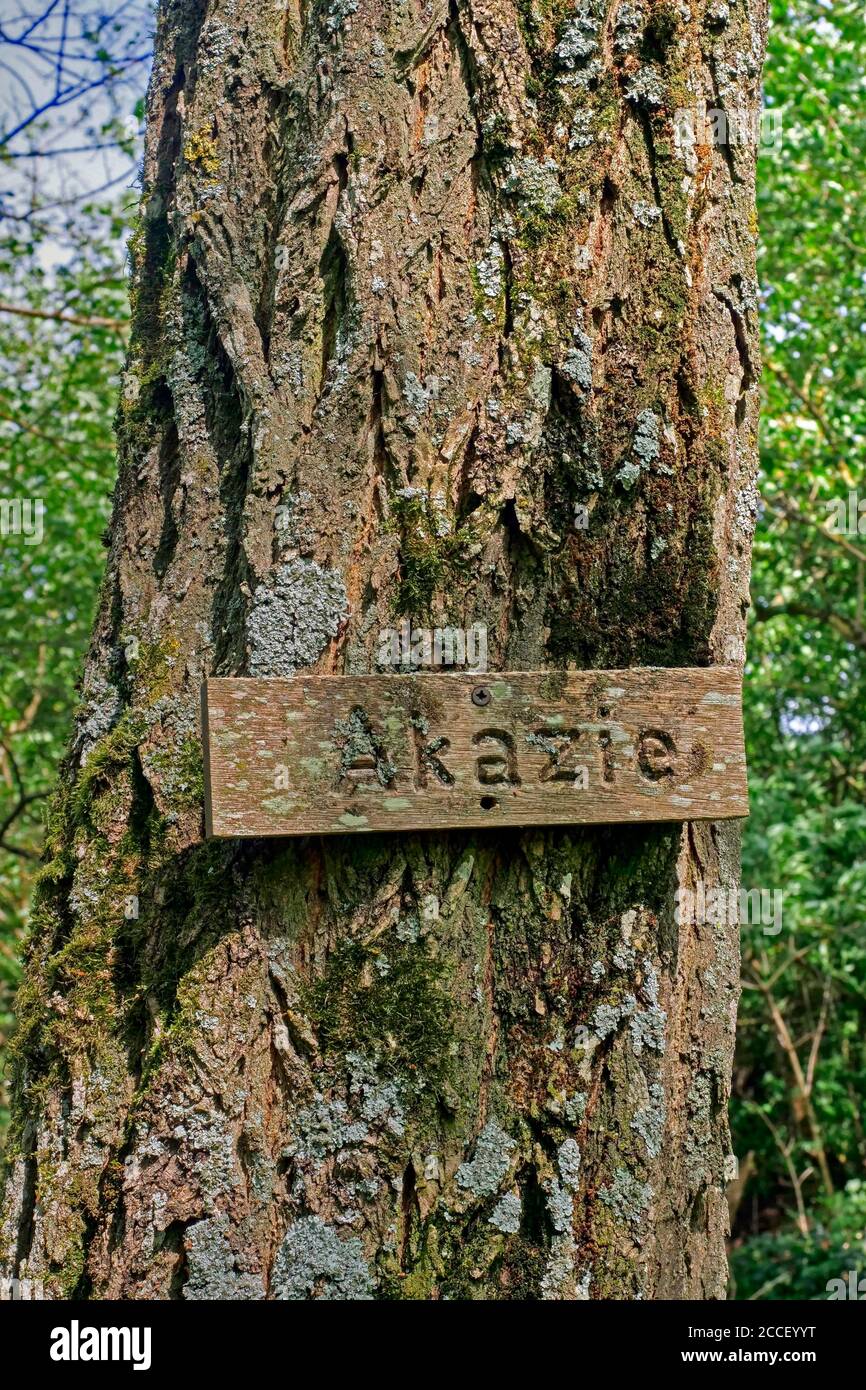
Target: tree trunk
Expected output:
[436,314]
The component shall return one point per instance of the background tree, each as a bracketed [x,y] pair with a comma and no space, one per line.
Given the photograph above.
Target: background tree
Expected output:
[414,286]
[801,1071]
[71,104]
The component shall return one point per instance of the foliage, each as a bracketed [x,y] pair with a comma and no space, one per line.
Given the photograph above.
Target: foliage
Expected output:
[71,108]
[801,1074]
[58,394]
[787,1264]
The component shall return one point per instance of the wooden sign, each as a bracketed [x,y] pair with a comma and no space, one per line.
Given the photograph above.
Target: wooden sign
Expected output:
[331,755]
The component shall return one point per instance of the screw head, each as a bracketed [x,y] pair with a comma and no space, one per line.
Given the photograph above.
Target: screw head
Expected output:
[481,695]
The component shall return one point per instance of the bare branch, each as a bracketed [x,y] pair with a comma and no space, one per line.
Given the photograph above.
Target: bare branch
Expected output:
[85,321]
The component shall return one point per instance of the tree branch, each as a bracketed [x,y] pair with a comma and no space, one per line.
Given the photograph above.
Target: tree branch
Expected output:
[58,316]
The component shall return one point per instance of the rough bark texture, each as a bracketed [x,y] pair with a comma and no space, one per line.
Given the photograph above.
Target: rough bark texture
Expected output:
[411,282]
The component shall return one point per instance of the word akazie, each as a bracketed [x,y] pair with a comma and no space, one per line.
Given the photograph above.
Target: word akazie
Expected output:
[426,750]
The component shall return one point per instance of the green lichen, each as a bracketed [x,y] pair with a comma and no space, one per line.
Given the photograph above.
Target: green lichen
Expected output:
[181,773]
[356,739]
[432,562]
[400,1014]
[200,151]
[154,666]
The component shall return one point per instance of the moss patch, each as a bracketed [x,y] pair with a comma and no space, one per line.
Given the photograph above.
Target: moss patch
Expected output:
[430,562]
[391,1005]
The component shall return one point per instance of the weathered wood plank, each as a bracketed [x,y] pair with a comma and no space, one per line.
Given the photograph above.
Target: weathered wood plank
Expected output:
[331,755]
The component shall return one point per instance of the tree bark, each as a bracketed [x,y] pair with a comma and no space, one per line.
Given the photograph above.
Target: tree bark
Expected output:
[412,286]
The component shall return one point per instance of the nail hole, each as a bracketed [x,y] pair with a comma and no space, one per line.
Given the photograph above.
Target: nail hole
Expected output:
[488,802]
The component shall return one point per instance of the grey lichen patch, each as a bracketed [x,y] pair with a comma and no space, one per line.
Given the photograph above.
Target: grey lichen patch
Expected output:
[315,1262]
[647,1027]
[292,526]
[702,1150]
[419,394]
[217,44]
[373,1111]
[607,1017]
[338,12]
[97,716]
[628,27]
[560,1206]
[535,185]
[575,1107]
[647,437]
[484,1173]
[646,87]
[294,618]
[645,214]
[647,1030]
[578,41]
[746,507]
[650,985]
[568,1160]
[582,134]
[649,1122]
[207,1135]
[628,475]
[559,1275]
[325,1127]
[577,51]
[577,363]
[408,929]
[213,1272]
[627,1197]
[489,271]
[624,958]
[379,1102]
[506,1215]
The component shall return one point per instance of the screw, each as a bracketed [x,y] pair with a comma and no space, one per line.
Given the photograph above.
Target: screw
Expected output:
[481,695]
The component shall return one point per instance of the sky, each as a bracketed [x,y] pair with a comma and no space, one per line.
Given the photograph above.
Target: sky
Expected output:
[72,80]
